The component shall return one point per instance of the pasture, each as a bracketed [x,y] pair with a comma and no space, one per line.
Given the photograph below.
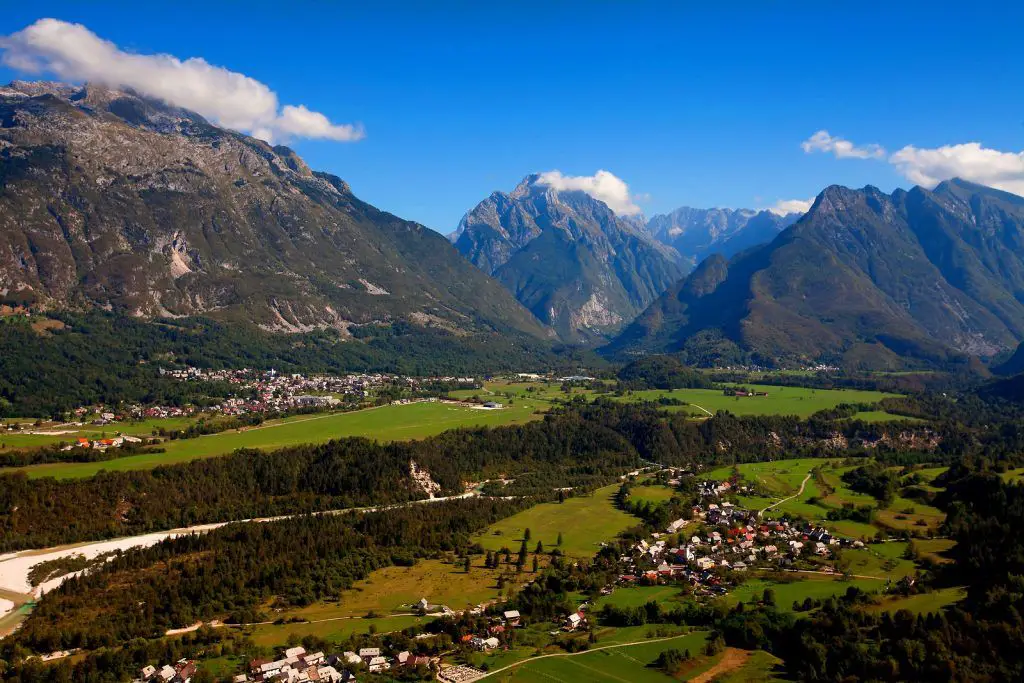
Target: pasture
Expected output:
[779,482]
[613,664]
[799,401]
[386,423]
[583,521]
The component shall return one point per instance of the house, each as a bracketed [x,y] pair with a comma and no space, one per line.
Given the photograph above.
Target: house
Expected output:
[491,643]
[351,657]
[705,563]
[423,604]
[378,664]
[573,622]
[166,673]
[368,653]
[404,657]
[185,672]
[147,672]
[294,652]
[512,617]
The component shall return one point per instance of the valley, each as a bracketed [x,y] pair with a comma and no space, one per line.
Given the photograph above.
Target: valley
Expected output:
[332,349]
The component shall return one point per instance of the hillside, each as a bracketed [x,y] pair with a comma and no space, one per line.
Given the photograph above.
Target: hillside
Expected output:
[111,200]
[865,279]
[567,257]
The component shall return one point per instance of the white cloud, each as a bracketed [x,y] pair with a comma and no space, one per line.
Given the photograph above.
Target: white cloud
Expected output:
[822,141]
[787,206]
[603,185]
[970,161]
[74,53]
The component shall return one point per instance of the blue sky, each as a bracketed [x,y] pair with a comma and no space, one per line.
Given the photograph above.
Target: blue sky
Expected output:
[688,105]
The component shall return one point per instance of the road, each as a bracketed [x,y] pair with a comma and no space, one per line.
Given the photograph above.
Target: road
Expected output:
[795,495]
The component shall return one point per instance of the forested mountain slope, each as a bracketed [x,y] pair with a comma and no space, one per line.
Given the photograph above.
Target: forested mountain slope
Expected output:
[865,279]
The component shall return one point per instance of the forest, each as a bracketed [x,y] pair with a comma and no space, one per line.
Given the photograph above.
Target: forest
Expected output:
[228,573]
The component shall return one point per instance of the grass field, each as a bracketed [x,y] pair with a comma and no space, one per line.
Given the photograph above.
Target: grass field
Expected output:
[922,603]
[635,596]
[615,665]
[798,401]
[584,523]
[760,667]
[387,423]
[275,635]
[651,494]
[807,586]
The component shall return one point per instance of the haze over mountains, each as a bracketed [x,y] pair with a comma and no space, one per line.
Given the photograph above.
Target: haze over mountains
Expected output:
[112,200]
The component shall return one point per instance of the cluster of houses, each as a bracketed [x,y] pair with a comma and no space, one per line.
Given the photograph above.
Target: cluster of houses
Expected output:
[299,666]
[181,671]
[735,539]
[103,444]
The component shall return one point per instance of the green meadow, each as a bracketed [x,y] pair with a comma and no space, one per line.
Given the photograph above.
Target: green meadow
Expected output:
[611,665]
[387,423]
[584,522]
[797,401]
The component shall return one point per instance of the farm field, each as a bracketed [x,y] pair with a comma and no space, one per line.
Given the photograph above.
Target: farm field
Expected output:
[780,400]
[798,401]
[934,548]
[336,630]
[922,603]
[396,589]
[389,594]
[584,523]
[815,586]
[615,664]
[653,494]
[387,423]
[636,596]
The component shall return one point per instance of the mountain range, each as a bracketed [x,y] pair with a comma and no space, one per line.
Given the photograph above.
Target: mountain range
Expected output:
[864,279]
[585,270]
[114,201]
[117,201]
[696,234]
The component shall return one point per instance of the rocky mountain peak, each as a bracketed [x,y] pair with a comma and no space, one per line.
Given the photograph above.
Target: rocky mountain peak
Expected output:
[118,201]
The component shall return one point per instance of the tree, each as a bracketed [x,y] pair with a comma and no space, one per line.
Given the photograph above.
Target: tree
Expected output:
[559,542]
[526,534]
[536,564]
[540,548]
[469,563]
[769,596]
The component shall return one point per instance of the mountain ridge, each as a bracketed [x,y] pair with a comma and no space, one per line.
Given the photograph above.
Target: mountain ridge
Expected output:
[118,201]
[863,278]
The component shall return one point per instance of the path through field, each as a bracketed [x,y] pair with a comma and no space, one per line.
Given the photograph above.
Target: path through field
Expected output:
[709,413]
[795,495]
[576,654]
[734,658]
